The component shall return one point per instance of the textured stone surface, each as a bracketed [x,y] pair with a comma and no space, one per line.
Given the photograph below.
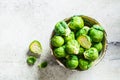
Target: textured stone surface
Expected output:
[22,21]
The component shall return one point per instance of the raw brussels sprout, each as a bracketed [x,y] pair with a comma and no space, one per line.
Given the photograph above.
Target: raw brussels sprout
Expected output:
[69,37]
[91,54]
[84,41]
[72,47]
[96,35]
[76,23]
[84,64]
[61,28]
[98,27]
[72,62]
[81,51]
[31,60]
[35,48]
[82,31]
[60,52]
[43,65]
[57,41]
[98,46]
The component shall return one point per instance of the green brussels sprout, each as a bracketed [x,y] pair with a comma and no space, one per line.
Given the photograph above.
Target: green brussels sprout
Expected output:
[61,28]
[84,64]
[98,27]
[84,41]
[69,37]
[76,23]
[72,61]
[82,31]
[96,35]
[57,41]
[59,52]
[91,54]
[81,51]
[35,48]
[31,60]
[43,65]
[98,46]
[72,47]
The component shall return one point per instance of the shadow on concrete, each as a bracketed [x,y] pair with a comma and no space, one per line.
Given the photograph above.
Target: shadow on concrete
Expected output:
[53,71]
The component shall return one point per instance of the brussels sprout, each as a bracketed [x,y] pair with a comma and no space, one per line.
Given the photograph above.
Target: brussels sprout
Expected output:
[61,28]
[91,54]
[69,37]
[72,62]
[57,41]
[72,47]
[60,52]
[84,41]
[31,60]
[96,35]
[81,51]
[43,64]
[98,46]
[35,48]
[84,64]
[98,27]
[82,31]
[76,23]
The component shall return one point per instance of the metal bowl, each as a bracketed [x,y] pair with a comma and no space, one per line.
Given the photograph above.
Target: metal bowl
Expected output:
[88,21]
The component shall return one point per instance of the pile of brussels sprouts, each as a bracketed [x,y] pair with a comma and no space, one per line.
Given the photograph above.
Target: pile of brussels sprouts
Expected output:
[75,44]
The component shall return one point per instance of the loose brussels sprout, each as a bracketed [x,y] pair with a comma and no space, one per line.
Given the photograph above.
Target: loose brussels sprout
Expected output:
[57,41]
[72,62]
[69,37]
[84,41]
[96,35]
[98,27]
[60,52]
[61,28]
[72,47]
[91,54]
[98,46]
[84,64]
[76,23]
[31,60]
[81,51]
[35,48]
[43,65]
[82,31]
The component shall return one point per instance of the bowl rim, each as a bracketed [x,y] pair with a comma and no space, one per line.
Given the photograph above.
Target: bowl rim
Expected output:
[101,55]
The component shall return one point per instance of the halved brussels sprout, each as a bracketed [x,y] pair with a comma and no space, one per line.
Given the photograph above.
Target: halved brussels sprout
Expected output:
[84,41]
[84,64]
[60,52]
[69,37]
[98,46]
[35,48]
[72,62]
[96,34]
[57,41]
[76,23]
[91,54]
[72,47]
[82,31]
[61,28]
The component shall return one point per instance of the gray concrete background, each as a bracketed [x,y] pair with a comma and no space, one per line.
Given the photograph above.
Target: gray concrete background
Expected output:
[22,21]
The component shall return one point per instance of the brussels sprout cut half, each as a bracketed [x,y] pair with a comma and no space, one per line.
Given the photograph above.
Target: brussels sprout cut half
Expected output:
[84,41]
[35,47]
